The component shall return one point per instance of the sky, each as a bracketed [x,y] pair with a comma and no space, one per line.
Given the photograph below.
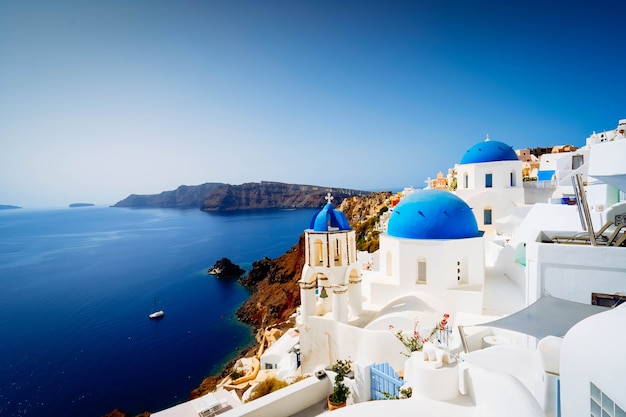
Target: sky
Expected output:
[102,99]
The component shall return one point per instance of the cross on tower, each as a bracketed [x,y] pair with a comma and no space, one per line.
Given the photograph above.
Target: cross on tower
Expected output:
[329,198]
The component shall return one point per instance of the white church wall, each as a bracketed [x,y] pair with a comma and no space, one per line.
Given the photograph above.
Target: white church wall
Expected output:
[590,355]
[454,268]
[399,264]
[499,203]
[473,252]
[466,177]
[323,341]
[506,176]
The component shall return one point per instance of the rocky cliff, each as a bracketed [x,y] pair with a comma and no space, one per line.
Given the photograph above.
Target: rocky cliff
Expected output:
[185,196]
[275,296]
[249,196]
[263,195]
[275,289]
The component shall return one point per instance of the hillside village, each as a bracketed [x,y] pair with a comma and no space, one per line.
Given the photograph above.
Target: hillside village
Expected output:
[487,293]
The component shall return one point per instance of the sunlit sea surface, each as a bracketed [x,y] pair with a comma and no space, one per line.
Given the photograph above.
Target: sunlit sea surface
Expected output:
[76,288]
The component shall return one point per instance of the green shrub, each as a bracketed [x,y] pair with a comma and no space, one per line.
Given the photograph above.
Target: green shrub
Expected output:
[340,390]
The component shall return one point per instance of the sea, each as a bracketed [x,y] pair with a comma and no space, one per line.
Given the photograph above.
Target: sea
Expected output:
[77,286]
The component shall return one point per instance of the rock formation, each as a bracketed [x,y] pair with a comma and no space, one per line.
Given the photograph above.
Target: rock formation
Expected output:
[224,268]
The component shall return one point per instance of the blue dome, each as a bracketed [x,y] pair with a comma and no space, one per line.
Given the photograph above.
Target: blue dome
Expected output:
[328,218]
[432,214]
[489,151]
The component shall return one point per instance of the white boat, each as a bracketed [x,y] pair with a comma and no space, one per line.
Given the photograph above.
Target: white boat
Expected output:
[156,314]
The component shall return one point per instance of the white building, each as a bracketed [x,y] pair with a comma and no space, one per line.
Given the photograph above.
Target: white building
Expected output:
[489,180]
[527,339]
[330,277]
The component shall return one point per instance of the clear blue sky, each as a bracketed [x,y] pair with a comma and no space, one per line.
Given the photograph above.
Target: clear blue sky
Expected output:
[101,99]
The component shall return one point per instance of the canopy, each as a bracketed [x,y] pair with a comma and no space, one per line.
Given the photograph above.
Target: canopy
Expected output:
[548,316]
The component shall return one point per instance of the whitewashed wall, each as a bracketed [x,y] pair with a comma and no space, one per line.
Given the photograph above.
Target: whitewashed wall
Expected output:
[573,272]
[592,351]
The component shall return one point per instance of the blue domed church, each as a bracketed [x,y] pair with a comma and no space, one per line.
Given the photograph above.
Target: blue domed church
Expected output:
[489,179]
[432,245]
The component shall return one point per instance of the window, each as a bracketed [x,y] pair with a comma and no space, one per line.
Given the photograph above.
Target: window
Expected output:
[461,271]
[337,252]
[488,180]
[466,181]
[512,179]
[318,253]
[487,216]
[602,404]
[577,161]
[421,271]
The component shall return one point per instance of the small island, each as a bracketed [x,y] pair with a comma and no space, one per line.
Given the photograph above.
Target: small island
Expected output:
[8,207]
[82,205]
[224,268]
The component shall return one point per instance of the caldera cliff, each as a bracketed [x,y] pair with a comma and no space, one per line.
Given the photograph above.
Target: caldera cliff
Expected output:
[249,196]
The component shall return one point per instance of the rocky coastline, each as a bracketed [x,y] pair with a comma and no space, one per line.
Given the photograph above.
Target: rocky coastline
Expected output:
[275,292]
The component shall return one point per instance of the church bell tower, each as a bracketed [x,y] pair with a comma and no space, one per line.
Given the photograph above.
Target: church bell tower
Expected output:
[330,281]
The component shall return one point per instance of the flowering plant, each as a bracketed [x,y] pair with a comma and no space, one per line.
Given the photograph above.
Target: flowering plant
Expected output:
[415,342]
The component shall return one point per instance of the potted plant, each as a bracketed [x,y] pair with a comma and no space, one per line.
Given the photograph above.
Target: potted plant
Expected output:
[339,396]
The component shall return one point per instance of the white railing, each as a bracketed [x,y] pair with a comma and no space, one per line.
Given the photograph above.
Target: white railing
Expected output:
[539,184]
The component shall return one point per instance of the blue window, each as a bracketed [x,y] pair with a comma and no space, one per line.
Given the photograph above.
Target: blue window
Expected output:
[487,216]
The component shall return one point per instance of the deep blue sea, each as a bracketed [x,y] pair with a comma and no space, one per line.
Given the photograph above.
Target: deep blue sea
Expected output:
[76,288]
